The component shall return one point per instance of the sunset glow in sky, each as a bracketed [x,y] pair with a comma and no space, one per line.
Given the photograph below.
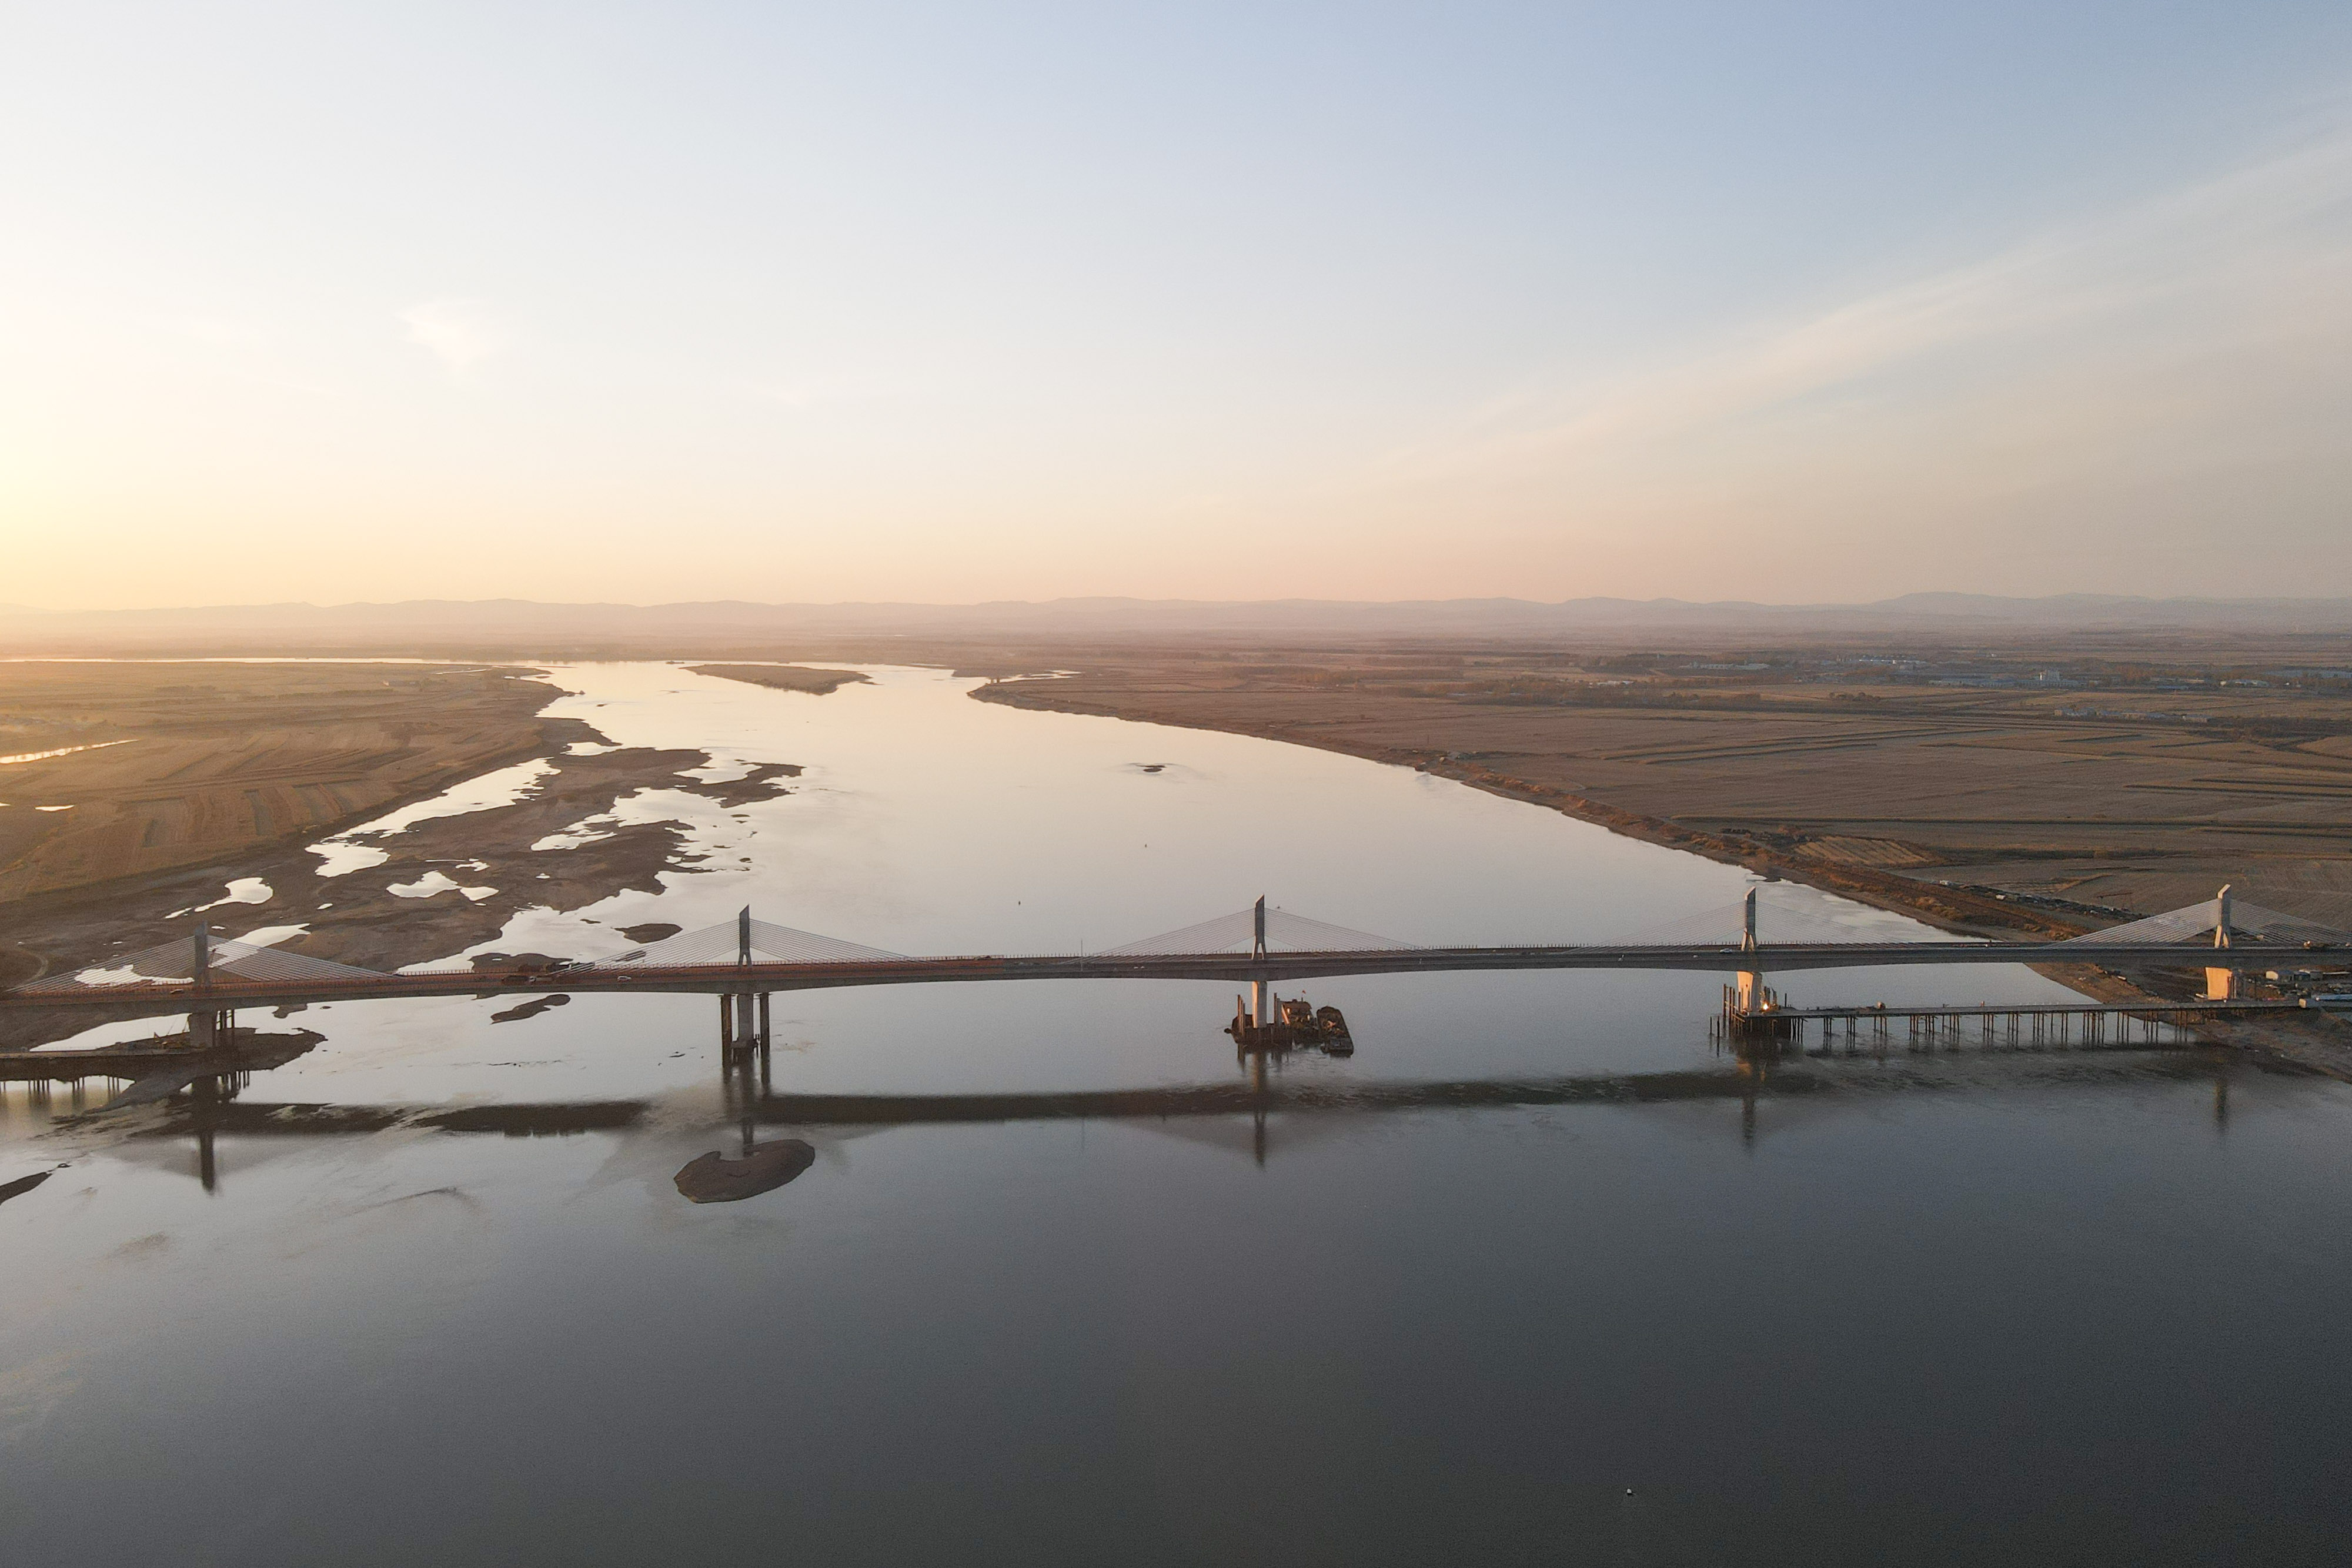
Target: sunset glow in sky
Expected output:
[956,302]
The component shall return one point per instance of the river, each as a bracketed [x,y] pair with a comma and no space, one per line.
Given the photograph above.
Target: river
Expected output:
[1982,1308]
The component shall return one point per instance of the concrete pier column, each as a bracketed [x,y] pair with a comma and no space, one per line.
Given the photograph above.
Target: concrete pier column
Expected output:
[202,1022]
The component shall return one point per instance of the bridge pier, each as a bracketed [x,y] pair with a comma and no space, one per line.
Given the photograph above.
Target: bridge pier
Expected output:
[743,1036]
[208,1027]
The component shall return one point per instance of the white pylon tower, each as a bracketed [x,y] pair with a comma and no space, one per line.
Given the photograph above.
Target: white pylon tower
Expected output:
[1751,981]
[2220,979]
[1261,991]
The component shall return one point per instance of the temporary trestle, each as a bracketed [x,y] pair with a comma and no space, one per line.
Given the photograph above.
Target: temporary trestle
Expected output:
[1753,1015]
[2064,1026]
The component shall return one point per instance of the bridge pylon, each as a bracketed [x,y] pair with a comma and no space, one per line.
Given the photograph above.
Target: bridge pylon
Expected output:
[207,1026]
[1261,990]
[2220,979]
[1751,994]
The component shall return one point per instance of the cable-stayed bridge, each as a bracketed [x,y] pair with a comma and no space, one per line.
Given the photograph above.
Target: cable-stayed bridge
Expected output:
[749,956]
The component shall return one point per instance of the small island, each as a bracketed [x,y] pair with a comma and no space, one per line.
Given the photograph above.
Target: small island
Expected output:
[783,678]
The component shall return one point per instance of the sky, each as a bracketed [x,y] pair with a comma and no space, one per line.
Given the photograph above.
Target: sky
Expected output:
[1793,302]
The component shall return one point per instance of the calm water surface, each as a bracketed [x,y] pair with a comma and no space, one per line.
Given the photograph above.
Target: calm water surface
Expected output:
[1985,1309]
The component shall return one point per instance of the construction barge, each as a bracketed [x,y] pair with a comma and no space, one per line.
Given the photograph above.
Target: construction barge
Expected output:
[1290,1023]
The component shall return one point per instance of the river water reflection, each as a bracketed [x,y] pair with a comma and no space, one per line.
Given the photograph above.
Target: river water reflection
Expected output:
[446,1296]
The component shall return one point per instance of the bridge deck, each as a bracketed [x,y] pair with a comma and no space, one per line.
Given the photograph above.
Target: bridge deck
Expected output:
[225,992]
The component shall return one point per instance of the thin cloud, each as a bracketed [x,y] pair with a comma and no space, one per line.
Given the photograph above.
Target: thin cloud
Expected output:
[2260,257]
[460,333]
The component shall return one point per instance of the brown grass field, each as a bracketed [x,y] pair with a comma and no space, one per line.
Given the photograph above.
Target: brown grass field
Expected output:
[183,764]
[2038,802]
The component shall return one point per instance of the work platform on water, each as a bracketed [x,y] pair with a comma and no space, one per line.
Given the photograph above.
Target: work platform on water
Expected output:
[2086,1025]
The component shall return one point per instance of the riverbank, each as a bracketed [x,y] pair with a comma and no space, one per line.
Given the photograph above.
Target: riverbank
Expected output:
[1952,909]
[2054,786]
[1388,733]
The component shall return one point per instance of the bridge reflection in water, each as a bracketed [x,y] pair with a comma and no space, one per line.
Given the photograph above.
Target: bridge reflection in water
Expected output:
[210,1109]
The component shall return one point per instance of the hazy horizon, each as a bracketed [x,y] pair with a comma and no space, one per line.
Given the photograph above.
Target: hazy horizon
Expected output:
[737,626]
[1816,305]
[1464,602]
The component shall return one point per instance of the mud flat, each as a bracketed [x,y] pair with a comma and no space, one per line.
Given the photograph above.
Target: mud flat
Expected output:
[547,832]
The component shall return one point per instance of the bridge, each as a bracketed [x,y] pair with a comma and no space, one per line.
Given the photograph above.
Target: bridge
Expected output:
[744,961]
[1253,946]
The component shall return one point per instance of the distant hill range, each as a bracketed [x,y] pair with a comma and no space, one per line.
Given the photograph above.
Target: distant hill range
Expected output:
[511,626]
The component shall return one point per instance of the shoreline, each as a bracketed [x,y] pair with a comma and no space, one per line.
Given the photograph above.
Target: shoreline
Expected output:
[2321,1044]
[1946,909]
